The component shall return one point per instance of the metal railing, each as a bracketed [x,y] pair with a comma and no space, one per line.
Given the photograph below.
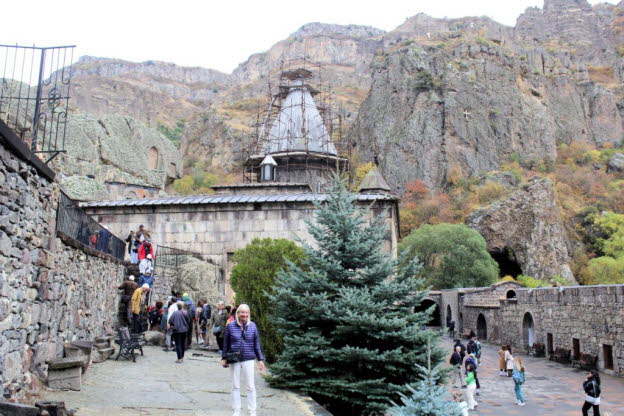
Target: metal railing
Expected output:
[173,257]
[34,95]
[72,221]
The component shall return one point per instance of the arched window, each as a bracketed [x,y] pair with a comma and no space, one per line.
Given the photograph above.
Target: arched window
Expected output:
[152,158]
[511,294]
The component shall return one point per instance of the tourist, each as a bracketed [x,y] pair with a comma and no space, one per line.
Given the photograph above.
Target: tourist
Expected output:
[518,378]
[456,361]
[130,240]
[204,321]
[155,314]
[232,316]
[471,386]
[218,321]
[192,311]
[146,249]
[128,287]
[501,361]
[509,361]
[178,323]
[471,360]
[458,398]
[163,318]
[458,343]
[146,268]
[169,336]
[478,351]
[591,385]
[451,329]
[474,347]
[241,346]
[137,300]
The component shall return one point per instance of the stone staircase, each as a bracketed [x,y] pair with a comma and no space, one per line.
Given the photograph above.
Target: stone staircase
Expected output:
[102,349]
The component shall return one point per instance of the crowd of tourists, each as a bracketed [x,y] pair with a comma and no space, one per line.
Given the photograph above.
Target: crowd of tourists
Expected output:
[466,359]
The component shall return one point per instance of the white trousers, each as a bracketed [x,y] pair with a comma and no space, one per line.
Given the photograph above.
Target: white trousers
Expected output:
[247,368]
[470,391]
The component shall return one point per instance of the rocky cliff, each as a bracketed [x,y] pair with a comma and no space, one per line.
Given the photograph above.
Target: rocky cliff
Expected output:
[526,231]
[469,93]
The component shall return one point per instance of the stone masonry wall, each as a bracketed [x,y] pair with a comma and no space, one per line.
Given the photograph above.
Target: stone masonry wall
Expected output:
[594,315]
[50,292]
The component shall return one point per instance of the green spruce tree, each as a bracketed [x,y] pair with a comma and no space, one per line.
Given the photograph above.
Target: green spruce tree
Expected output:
[428,397]
[351,336]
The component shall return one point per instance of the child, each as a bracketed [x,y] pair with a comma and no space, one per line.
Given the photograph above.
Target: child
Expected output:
[463,406]
[471,383]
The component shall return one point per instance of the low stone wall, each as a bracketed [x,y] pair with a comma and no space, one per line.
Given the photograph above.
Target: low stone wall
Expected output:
[50,291]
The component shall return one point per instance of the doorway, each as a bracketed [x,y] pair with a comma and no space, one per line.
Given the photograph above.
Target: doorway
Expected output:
[481,327]
[528,330]
[576,348]
[435,316]
[549,343]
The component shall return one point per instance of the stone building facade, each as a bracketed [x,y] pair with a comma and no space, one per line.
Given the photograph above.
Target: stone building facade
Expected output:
[583,319]
[51,291]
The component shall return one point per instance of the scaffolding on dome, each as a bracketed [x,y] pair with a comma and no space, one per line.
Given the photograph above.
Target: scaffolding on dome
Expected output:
[299,124]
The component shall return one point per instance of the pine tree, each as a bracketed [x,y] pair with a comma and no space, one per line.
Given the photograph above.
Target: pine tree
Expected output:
[351,336]
[427,398]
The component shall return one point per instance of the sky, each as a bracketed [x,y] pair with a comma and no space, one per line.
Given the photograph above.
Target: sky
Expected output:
[218,34]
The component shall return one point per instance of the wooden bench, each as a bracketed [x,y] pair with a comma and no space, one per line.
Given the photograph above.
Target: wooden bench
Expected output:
[561,355]
[127,344]
[586,361]
[537,349]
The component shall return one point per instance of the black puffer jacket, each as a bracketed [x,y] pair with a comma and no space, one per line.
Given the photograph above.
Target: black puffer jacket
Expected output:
[592,387]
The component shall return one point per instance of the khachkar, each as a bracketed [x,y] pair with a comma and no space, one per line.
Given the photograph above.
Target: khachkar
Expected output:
[293,142]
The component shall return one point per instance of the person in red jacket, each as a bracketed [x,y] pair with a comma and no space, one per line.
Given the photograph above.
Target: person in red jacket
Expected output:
[145,249]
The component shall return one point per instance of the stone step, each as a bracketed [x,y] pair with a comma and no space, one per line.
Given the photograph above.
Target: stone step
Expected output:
[101,345]
[102,355]
[62,363]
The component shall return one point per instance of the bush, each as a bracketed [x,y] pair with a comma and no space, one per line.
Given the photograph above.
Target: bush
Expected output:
[453,255]
[604,271]
[198,182]
[611,225]
[253,278]
[530,281]
[491,191]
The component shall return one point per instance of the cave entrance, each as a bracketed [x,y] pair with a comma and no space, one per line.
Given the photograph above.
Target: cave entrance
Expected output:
[507,263]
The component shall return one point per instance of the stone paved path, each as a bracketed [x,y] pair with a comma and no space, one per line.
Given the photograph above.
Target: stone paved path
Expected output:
[156,385]
[550,389]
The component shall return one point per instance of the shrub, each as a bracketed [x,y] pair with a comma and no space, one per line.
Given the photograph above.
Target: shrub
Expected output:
[604,271]
[198,182]
[612,227]
[253,278]
[530,282]
[453,255]
[491,191]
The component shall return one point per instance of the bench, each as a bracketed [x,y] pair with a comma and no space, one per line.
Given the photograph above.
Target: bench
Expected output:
[586,361]
[127,344]
[561,355]
[537,349]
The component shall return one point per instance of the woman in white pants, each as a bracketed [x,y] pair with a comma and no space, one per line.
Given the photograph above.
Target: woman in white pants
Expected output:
[471,383]
[241,347]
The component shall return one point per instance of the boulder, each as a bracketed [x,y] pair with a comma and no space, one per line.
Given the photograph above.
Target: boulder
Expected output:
[155,338]
[527,226]
[616,163]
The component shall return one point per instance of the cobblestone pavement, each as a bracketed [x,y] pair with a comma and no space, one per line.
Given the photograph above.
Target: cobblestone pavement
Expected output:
[156,385]
[550,388]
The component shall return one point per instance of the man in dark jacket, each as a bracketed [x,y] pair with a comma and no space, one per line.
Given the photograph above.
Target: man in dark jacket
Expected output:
[128,287]
[204,321]
[456,361]
[458,343]
[179,321]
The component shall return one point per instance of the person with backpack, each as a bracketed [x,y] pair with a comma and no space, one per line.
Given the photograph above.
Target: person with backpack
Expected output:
[471,360]
[154,314]
[518,378]
[204,321]
[591,385]
[218,321]
[178,323]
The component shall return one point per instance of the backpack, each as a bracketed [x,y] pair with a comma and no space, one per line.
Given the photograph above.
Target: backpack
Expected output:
[518,376]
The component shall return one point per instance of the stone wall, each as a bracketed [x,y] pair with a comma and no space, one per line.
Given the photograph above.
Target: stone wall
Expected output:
[593,315]
[216,231]
[50,291]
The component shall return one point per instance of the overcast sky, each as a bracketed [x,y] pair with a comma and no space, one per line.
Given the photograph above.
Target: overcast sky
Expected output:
[217,34]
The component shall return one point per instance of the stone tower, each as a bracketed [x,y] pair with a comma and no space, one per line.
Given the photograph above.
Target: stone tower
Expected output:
[295,144]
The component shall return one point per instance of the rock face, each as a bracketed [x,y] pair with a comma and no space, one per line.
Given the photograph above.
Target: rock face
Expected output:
[470,93]
[528,227]
[106,155]
[616,163]
[152,92]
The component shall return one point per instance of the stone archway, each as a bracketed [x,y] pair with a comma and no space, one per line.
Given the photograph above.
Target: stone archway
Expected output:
[528,330]
[481,327]
[435,316]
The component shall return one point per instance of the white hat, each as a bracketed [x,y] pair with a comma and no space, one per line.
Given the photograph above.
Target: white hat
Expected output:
[130,277]
[149,256]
